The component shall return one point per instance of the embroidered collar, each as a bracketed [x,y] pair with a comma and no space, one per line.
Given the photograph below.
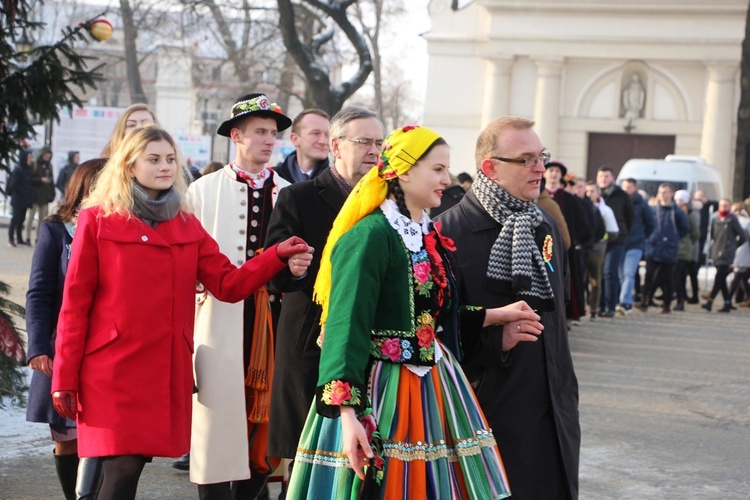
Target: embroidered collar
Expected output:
[411,232]
[255,181]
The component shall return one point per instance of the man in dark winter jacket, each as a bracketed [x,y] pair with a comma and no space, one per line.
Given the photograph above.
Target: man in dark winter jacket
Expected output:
[618,201]
[43,186]
[671,224]
[21,197]
[707,210]
[310,138]
[67,171]
[643,224]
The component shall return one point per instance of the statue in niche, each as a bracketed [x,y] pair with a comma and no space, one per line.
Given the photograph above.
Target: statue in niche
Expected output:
[633,99]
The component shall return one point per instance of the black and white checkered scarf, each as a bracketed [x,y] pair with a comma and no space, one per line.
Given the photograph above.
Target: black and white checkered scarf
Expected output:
[515,256]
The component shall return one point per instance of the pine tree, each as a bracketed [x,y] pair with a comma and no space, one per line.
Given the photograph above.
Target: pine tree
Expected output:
[29,94]
[36,92]
[12,383]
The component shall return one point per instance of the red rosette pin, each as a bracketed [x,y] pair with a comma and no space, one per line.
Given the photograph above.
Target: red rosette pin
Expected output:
[547,252]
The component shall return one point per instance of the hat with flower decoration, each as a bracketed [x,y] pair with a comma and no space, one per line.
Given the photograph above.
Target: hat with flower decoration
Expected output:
[401,150]
[570,179]
[254,105]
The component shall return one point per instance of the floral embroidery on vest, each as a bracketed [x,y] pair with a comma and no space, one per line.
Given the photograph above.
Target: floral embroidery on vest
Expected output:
[341,393]
[422,273]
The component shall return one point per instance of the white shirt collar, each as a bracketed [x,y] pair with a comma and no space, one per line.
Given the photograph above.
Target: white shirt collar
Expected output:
[411,232]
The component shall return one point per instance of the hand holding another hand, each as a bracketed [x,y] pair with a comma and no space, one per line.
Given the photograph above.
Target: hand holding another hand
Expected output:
[520,323]
[297,254]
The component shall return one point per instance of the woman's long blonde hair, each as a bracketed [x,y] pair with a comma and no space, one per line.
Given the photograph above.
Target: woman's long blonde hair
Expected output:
[118,133]
[113,189]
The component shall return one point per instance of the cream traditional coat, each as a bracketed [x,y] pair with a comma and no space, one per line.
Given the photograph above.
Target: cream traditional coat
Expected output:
[219,449]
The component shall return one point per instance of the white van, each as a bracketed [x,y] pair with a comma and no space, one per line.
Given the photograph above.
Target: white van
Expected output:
[683,172]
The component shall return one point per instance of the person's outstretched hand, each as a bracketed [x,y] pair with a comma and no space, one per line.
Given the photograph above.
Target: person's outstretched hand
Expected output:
[289,247]
[66,403]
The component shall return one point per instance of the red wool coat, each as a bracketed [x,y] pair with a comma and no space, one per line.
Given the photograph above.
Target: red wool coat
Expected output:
[125,333]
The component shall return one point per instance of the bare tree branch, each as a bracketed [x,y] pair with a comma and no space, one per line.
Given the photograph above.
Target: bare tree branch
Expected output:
[324,94]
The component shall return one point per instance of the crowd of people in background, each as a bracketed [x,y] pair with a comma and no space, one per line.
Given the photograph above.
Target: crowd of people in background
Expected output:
[615,229]
[367,304]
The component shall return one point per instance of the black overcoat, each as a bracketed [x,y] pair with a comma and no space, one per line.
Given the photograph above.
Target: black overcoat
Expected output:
[305,209]
[529,394]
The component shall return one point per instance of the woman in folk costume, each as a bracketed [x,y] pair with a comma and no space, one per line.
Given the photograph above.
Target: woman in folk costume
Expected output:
[394,415]
[123,365]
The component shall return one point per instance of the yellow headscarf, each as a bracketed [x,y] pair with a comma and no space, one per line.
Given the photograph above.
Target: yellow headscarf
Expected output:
[401,150]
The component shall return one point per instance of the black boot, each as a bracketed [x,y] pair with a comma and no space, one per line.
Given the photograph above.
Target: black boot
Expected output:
[66,466]
[680,306]
[89,479]
[727,307]
[707,306]
[182,463]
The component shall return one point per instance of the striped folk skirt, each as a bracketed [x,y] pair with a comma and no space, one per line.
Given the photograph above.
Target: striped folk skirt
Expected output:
[436,443]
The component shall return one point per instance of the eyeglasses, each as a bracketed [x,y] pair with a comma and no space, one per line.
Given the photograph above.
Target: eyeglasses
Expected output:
[527,162]
[364,143]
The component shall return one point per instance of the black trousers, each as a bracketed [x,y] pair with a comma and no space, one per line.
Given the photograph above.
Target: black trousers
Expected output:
[740,280]
[720,282]
[693,268]
[680,277]
[658,275]
[16,224]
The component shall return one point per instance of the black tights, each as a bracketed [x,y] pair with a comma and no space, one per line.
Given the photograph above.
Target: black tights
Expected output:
[121,475]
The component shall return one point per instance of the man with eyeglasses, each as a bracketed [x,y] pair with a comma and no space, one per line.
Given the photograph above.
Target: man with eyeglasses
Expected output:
[307,209]
[508,249]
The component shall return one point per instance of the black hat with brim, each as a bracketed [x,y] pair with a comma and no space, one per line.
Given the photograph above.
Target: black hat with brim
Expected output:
[254,105]
[563,169]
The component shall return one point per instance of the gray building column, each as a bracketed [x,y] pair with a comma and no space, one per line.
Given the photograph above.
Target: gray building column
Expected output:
[547,101]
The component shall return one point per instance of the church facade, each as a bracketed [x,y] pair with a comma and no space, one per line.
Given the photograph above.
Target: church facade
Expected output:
[604,80]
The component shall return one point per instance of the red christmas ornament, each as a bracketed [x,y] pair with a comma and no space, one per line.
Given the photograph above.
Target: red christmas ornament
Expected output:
[101,29]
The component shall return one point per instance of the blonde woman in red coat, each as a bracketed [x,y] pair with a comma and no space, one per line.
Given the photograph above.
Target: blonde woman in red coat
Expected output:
[125,333]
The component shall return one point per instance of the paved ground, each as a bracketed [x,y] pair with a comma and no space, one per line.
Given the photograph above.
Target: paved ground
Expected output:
[665,410]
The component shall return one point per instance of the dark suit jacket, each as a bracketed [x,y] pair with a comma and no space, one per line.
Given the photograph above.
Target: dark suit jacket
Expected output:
[284,168]
[530,394]
[306,209]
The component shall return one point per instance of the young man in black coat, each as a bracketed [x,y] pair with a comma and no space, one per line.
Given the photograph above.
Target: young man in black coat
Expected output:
[308,209]
[581,235]
[310,138]
[507,249]
[619,202]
